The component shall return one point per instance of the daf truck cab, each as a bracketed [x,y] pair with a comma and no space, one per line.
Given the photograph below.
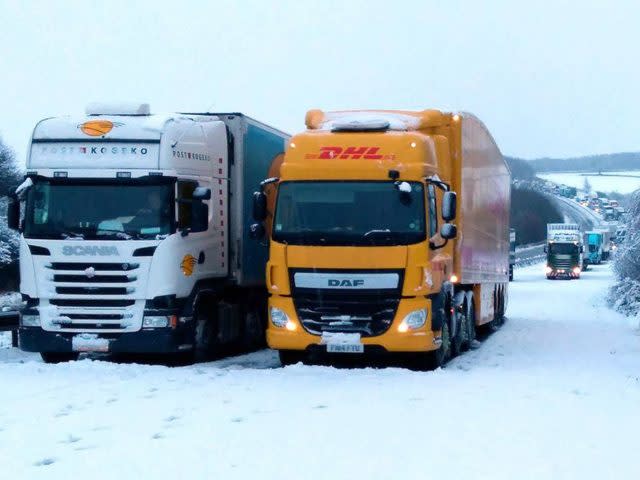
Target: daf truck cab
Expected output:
[135,233]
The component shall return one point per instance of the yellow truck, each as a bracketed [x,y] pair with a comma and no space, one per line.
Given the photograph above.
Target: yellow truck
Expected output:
[388,232]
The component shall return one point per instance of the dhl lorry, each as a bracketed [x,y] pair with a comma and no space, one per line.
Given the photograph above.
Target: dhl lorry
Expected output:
[135,236]
[389,232]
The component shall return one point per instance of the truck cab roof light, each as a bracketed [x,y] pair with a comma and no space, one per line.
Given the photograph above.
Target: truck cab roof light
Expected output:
[123,174]
[155,174]
[60,174]
[361,125]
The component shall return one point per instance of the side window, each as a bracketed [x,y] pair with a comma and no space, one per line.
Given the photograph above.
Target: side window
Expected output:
[185,195]
[433,210]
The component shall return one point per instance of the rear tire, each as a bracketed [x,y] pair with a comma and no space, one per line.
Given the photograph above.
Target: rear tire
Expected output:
[471,319]
[59,357]
[291,357]
[460,342]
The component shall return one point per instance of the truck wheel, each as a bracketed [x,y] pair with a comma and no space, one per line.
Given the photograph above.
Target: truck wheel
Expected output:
[205,335]
[291,357]
[471,319]
[439,358]
[59,357]
[460,341]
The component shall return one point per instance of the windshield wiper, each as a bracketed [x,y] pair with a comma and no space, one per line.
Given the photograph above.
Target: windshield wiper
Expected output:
[121,234]
[376,232]
[69,235]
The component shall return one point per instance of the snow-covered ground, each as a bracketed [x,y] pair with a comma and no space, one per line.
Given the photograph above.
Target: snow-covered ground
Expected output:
[598,182]
[554,394]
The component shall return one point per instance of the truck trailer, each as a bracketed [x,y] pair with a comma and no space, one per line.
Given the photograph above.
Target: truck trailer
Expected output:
[365,256]
[135,236]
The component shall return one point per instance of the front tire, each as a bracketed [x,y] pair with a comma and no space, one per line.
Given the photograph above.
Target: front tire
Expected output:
[439,358]
[59,357]
[291,357]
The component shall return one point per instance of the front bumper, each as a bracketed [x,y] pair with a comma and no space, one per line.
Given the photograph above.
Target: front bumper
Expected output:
[159,340]
[420,340]
[563,274]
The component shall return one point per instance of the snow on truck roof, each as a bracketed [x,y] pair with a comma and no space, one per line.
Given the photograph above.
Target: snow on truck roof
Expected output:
[374,120]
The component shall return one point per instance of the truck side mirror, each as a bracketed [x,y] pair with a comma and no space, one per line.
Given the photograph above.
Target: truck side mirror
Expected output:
[545,249]
[13,213]
[449,202]
[259,206]
[448,231]
[581,249]
[199,215]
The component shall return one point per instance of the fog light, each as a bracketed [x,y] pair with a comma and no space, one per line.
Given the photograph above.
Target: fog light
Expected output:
[155,322]
[278,317]
[413,321]
[30,320]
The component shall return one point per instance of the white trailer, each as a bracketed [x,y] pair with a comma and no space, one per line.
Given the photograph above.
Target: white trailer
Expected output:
[135,236]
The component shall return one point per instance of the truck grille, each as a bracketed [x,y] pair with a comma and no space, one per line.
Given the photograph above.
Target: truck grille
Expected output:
[563,264]
[94,296]
[346,312]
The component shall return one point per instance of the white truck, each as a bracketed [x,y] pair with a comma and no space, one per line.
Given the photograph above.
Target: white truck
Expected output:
[564,249]
[135,233]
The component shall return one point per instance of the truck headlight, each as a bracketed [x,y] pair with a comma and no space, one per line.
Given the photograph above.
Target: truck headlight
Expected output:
[281,319]
[548,269]
[155,321]
[576,270]
[278,317]
[413,320]
[29,320]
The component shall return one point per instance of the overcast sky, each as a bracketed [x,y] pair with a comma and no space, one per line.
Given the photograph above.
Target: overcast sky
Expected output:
[548,78]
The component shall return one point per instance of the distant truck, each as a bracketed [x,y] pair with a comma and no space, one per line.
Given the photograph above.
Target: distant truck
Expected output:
[512,252]
[564,251]
[365,257]
[135,237]
[593,243]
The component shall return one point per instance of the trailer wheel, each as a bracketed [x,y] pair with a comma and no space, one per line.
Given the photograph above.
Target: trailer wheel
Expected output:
[291,357]
[460,341]
[59,357]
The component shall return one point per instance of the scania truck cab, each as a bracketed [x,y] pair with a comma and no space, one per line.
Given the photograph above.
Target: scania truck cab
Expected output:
[135,233]
[368,250]
[564,251]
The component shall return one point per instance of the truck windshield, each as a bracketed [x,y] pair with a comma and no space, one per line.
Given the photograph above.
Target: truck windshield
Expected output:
[350,213]
[564,248]
[99,210]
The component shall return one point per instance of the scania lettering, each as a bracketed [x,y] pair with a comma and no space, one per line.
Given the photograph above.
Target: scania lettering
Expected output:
[367,251]
[136,233]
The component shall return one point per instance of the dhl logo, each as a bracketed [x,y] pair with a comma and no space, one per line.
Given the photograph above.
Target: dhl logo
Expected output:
[331,153]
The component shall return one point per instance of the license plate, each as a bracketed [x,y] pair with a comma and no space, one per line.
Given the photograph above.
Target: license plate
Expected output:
[89,344]
[345,348]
